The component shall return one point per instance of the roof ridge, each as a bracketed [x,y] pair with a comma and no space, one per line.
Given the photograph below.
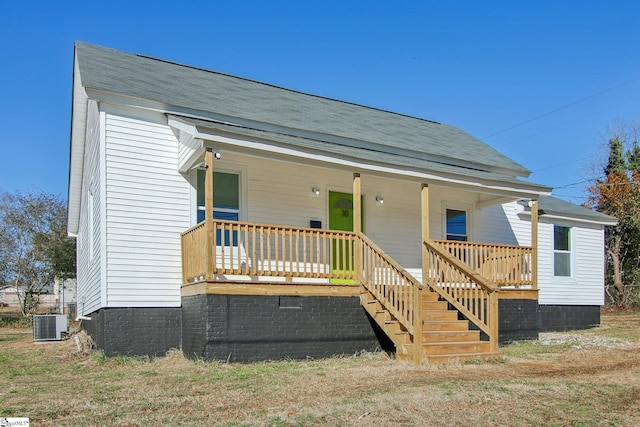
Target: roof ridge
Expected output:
[286,89]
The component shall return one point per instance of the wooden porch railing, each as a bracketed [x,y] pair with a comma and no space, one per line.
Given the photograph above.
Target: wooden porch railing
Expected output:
[243,248]
[503,265]
[390,283]
[469,292]
[194,257]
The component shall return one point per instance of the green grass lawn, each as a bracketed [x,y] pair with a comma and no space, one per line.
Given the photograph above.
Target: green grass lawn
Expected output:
[535,384]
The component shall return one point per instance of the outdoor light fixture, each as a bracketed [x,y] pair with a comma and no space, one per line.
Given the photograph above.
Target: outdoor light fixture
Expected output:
[379,200]
[315,190]
[217,155]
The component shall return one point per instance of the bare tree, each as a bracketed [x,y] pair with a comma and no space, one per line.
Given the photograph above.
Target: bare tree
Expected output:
[34,248]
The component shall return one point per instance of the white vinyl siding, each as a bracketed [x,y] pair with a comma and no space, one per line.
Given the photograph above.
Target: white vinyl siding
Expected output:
[89,232]
[502,224]
[147,209]
[187,149]
[586,286]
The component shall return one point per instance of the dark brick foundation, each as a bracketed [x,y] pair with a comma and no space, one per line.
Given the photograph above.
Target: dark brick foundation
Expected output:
[517,320]
[244,328]
[135,331]
[558,318]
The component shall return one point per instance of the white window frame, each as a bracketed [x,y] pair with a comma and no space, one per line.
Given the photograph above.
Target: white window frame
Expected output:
[468,209]
[571,252]
[239,170]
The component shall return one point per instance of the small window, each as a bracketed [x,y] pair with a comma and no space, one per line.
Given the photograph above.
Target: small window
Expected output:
[561,251]
[457,225]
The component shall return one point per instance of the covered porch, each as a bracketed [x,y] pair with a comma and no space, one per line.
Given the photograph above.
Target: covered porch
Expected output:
[243,257]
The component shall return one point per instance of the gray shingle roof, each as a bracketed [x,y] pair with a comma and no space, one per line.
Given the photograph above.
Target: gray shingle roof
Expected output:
[554,206]
[240,101]
[371,156]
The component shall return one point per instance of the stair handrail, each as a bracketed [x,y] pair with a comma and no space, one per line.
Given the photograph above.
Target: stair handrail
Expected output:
[464,296]
[403,309]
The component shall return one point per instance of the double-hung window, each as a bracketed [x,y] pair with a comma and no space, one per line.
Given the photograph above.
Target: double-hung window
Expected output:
[561,251]
[457,225]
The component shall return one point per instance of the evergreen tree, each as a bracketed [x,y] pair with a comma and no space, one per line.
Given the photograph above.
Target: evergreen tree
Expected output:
[618,194]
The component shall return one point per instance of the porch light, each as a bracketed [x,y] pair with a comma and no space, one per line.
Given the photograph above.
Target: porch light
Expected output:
[315,191]
[217,155]
[380,200]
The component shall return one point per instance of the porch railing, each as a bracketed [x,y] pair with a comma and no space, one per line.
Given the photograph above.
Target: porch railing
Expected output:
[503,265]
[243,248]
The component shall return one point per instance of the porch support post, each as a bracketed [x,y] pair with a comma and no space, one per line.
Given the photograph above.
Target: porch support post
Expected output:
[357,227]
[208,214]
[417,293]
[424,209]
[534,244]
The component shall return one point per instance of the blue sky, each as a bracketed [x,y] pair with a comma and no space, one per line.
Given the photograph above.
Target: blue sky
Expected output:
[503,71]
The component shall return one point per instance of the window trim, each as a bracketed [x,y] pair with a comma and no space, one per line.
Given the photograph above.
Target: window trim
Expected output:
[239,170]
[468,209]
[570,252]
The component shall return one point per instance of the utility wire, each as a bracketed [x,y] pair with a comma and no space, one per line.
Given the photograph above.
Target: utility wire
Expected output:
[560,108]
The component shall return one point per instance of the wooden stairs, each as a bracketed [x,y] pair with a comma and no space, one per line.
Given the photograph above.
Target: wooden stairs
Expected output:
[445,338]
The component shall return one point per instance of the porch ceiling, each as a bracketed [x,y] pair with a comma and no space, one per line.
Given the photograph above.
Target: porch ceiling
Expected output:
[317,151]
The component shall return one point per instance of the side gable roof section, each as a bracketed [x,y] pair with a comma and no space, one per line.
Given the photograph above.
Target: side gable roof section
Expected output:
[553,207]
[266,107]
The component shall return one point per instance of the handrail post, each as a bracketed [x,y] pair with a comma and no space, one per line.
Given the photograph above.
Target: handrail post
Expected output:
[534,244]
[493,320]
[208,203]
[183,250]
[417,325]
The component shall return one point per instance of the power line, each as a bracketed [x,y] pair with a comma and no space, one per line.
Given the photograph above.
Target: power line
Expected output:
[573,185]
[558,165]
[561,108]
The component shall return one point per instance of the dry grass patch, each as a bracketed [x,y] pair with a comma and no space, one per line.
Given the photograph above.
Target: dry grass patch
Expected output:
[554,383]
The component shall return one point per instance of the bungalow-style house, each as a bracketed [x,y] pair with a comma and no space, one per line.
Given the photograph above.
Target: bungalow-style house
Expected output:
[242,221]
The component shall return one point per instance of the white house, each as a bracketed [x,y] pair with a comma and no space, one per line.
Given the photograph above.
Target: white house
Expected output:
[244,221]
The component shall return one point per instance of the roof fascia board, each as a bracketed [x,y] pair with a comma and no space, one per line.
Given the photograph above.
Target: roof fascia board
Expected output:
[246,146]
[79,100]
[553,216]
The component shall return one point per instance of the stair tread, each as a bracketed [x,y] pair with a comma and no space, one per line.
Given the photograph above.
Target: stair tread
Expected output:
[427,344]
[495,354]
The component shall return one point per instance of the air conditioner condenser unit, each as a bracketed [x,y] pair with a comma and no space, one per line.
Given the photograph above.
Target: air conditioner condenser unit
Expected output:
[49,327]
